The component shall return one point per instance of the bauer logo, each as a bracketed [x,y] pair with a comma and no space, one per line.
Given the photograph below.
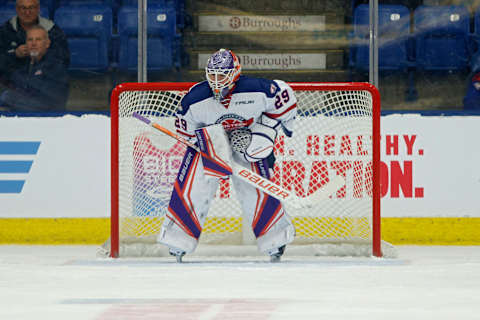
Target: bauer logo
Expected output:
[16,159]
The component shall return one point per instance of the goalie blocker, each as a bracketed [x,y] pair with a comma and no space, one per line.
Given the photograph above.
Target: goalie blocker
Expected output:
[195,187]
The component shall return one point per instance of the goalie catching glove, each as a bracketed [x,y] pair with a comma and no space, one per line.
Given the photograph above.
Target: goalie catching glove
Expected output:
[255,143]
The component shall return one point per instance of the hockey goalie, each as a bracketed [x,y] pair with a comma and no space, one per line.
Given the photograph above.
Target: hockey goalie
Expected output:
[234,118]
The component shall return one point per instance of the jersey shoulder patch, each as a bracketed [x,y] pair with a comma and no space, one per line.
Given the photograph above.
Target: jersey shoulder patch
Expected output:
[247,84]
[197,93]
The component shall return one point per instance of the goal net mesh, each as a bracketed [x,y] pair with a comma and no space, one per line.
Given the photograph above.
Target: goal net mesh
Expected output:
[332,136]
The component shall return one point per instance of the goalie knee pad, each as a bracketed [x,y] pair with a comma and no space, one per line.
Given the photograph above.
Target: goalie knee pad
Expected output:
[213,141]
[281,234]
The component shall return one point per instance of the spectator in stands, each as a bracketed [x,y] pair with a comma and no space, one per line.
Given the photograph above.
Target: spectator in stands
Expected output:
[13,51]
[42,84]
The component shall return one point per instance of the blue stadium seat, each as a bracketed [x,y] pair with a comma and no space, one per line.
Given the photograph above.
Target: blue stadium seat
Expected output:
[177,5]
[62,3]
[89,30]
[442,38]
[393,37]
[7,10]
[476,21]
[476,28]
[161,31]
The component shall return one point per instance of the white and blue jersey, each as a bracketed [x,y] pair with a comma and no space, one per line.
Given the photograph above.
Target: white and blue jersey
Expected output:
[248,100]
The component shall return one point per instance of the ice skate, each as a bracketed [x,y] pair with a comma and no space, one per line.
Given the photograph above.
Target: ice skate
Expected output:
[276,256]
[178,254]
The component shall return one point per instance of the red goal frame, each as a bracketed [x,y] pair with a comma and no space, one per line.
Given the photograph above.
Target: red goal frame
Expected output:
[347,86]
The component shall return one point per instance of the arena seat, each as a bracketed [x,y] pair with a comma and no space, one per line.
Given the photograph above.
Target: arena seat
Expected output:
[62,3]
[177,5]
[393,37]
[161,50]
[442,37]
[89,29]
[6,12]
[49,7]
[476,31]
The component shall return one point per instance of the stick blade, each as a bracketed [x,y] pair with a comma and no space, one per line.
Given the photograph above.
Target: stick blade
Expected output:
[140,117]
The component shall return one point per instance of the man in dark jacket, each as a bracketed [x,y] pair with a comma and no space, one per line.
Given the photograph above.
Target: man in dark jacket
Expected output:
[42,84]
[13,51]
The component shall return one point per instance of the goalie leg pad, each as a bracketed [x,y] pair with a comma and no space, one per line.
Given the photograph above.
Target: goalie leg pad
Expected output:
[281,234]
[175,238]
[263,212]
[191,197]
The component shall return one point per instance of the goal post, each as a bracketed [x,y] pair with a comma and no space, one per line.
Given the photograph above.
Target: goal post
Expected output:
[337,132]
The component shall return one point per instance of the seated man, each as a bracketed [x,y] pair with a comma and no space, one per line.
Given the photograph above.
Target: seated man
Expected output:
[41,85]
[13,50]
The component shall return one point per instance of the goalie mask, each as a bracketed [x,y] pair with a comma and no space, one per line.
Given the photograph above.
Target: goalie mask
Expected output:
[223,69]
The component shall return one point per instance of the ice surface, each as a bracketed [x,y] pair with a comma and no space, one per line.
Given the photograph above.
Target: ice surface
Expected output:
[69,282]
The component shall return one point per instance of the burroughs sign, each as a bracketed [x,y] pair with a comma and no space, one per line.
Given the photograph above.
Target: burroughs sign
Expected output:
[261,23]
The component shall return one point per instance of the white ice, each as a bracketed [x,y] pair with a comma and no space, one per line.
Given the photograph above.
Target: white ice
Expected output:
[69,282]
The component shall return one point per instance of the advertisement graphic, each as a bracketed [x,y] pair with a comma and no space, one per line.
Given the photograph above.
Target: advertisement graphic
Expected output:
[54,167]
[155,170]
[14,167]
[217,23]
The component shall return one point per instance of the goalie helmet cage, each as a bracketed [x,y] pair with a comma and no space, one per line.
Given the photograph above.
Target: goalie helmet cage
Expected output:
[337,131]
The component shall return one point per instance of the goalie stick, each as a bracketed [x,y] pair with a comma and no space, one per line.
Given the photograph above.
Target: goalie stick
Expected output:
[256,180]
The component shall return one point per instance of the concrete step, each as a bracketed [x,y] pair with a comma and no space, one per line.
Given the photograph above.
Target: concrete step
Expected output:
[92,93]
[190,75]
[89,92]
[267,40]
[269,7]
[290,76]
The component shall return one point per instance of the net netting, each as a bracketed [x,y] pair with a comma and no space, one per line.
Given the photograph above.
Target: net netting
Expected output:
[332,136]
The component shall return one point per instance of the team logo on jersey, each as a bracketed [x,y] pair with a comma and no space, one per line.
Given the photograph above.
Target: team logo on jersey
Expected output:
[233,121]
